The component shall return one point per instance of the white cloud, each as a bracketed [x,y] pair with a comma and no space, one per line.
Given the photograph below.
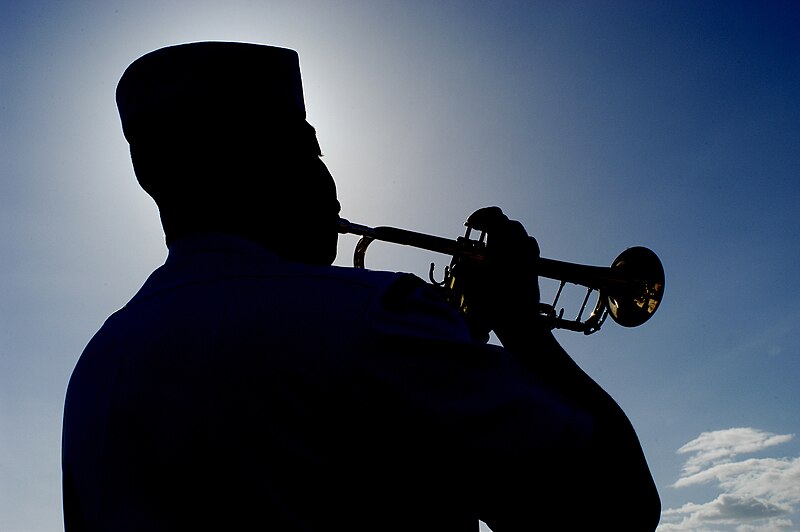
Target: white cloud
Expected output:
[773,478]
[721,445]
[757,494]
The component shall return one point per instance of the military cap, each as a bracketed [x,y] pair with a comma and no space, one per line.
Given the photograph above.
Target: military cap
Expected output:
[208,87]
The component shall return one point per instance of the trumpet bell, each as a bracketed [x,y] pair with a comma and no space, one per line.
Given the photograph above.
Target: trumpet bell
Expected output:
[633,303]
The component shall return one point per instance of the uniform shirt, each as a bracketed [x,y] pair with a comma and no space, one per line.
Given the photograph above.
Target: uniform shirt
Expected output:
[238,391]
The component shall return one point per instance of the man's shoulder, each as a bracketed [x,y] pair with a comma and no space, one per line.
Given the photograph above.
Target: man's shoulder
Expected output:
[215,259]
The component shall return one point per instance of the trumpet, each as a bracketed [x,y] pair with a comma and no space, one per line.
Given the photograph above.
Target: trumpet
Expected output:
[630,290]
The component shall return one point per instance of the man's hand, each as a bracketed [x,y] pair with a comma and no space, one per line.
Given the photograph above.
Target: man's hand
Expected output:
[503,291]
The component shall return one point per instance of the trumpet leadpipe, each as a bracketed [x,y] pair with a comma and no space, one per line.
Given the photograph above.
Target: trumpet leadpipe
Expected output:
[596,277]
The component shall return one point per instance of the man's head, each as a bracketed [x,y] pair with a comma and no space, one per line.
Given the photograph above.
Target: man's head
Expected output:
[219,139]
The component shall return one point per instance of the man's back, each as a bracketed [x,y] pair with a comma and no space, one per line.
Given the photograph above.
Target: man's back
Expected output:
[238,388]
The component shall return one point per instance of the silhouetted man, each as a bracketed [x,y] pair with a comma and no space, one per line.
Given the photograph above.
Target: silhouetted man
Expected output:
[250,385]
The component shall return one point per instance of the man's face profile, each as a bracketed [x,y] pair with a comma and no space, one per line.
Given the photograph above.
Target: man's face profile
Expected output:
[295,195]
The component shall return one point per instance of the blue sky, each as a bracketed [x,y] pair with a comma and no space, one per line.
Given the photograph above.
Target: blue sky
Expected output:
[599,125]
